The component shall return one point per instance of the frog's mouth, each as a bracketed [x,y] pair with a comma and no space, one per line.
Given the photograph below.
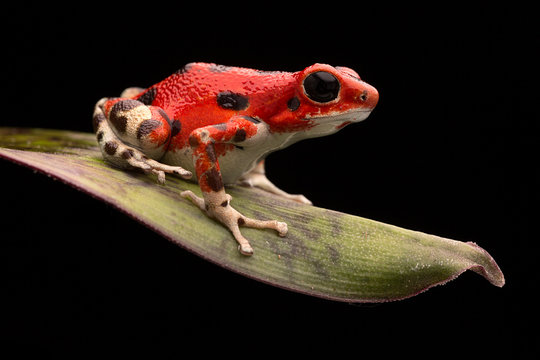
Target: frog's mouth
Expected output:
[351,116]
[328,124]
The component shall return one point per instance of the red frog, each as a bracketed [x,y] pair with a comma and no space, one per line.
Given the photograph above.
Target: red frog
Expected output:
[221,122]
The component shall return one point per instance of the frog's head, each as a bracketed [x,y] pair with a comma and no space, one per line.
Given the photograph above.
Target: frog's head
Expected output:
[327,98]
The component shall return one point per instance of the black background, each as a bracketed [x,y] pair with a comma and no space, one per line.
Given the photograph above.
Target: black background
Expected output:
[448,151]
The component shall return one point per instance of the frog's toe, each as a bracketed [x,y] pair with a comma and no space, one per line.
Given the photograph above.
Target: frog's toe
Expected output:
[280,227]
[245,249]
[140,161]
[163,168]
[194,198]
[160,176]
[301,199]
[243,245]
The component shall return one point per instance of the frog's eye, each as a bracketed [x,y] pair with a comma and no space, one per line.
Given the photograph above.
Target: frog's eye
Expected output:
[321,86]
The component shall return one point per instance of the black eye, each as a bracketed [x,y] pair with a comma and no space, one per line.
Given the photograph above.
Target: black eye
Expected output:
[321,86]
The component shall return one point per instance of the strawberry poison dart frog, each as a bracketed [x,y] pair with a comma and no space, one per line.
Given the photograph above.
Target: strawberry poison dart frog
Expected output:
[219,123]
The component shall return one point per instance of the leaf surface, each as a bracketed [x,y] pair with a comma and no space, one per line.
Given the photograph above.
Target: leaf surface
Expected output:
[326,253]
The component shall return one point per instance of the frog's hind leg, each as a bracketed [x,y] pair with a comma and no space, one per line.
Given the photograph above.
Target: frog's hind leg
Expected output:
[257,178]
[133,135]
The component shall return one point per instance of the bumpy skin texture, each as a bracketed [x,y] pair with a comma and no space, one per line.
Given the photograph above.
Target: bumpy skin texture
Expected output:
[220,123]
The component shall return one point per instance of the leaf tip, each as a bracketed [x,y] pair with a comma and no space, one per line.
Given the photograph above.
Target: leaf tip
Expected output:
[487,267]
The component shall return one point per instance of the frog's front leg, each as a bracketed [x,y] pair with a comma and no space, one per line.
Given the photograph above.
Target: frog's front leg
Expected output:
[215,201]
[257,178]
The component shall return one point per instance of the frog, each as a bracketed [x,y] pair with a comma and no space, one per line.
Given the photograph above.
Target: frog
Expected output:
[216,125]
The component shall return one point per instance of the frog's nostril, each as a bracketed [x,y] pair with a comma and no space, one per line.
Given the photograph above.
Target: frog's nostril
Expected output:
[369,97]
[363,96]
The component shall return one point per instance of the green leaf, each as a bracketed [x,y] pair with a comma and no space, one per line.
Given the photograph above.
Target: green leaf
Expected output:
[326,253]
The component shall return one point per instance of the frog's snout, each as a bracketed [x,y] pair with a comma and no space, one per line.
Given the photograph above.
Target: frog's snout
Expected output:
[368,96]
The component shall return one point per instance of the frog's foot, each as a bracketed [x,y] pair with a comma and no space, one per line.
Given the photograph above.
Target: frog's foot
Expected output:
[232,219]
[152,166]
[125,156]
[257,178]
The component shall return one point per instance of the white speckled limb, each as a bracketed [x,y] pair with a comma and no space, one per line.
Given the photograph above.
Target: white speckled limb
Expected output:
[217,206]
[122,155]
[257,178]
